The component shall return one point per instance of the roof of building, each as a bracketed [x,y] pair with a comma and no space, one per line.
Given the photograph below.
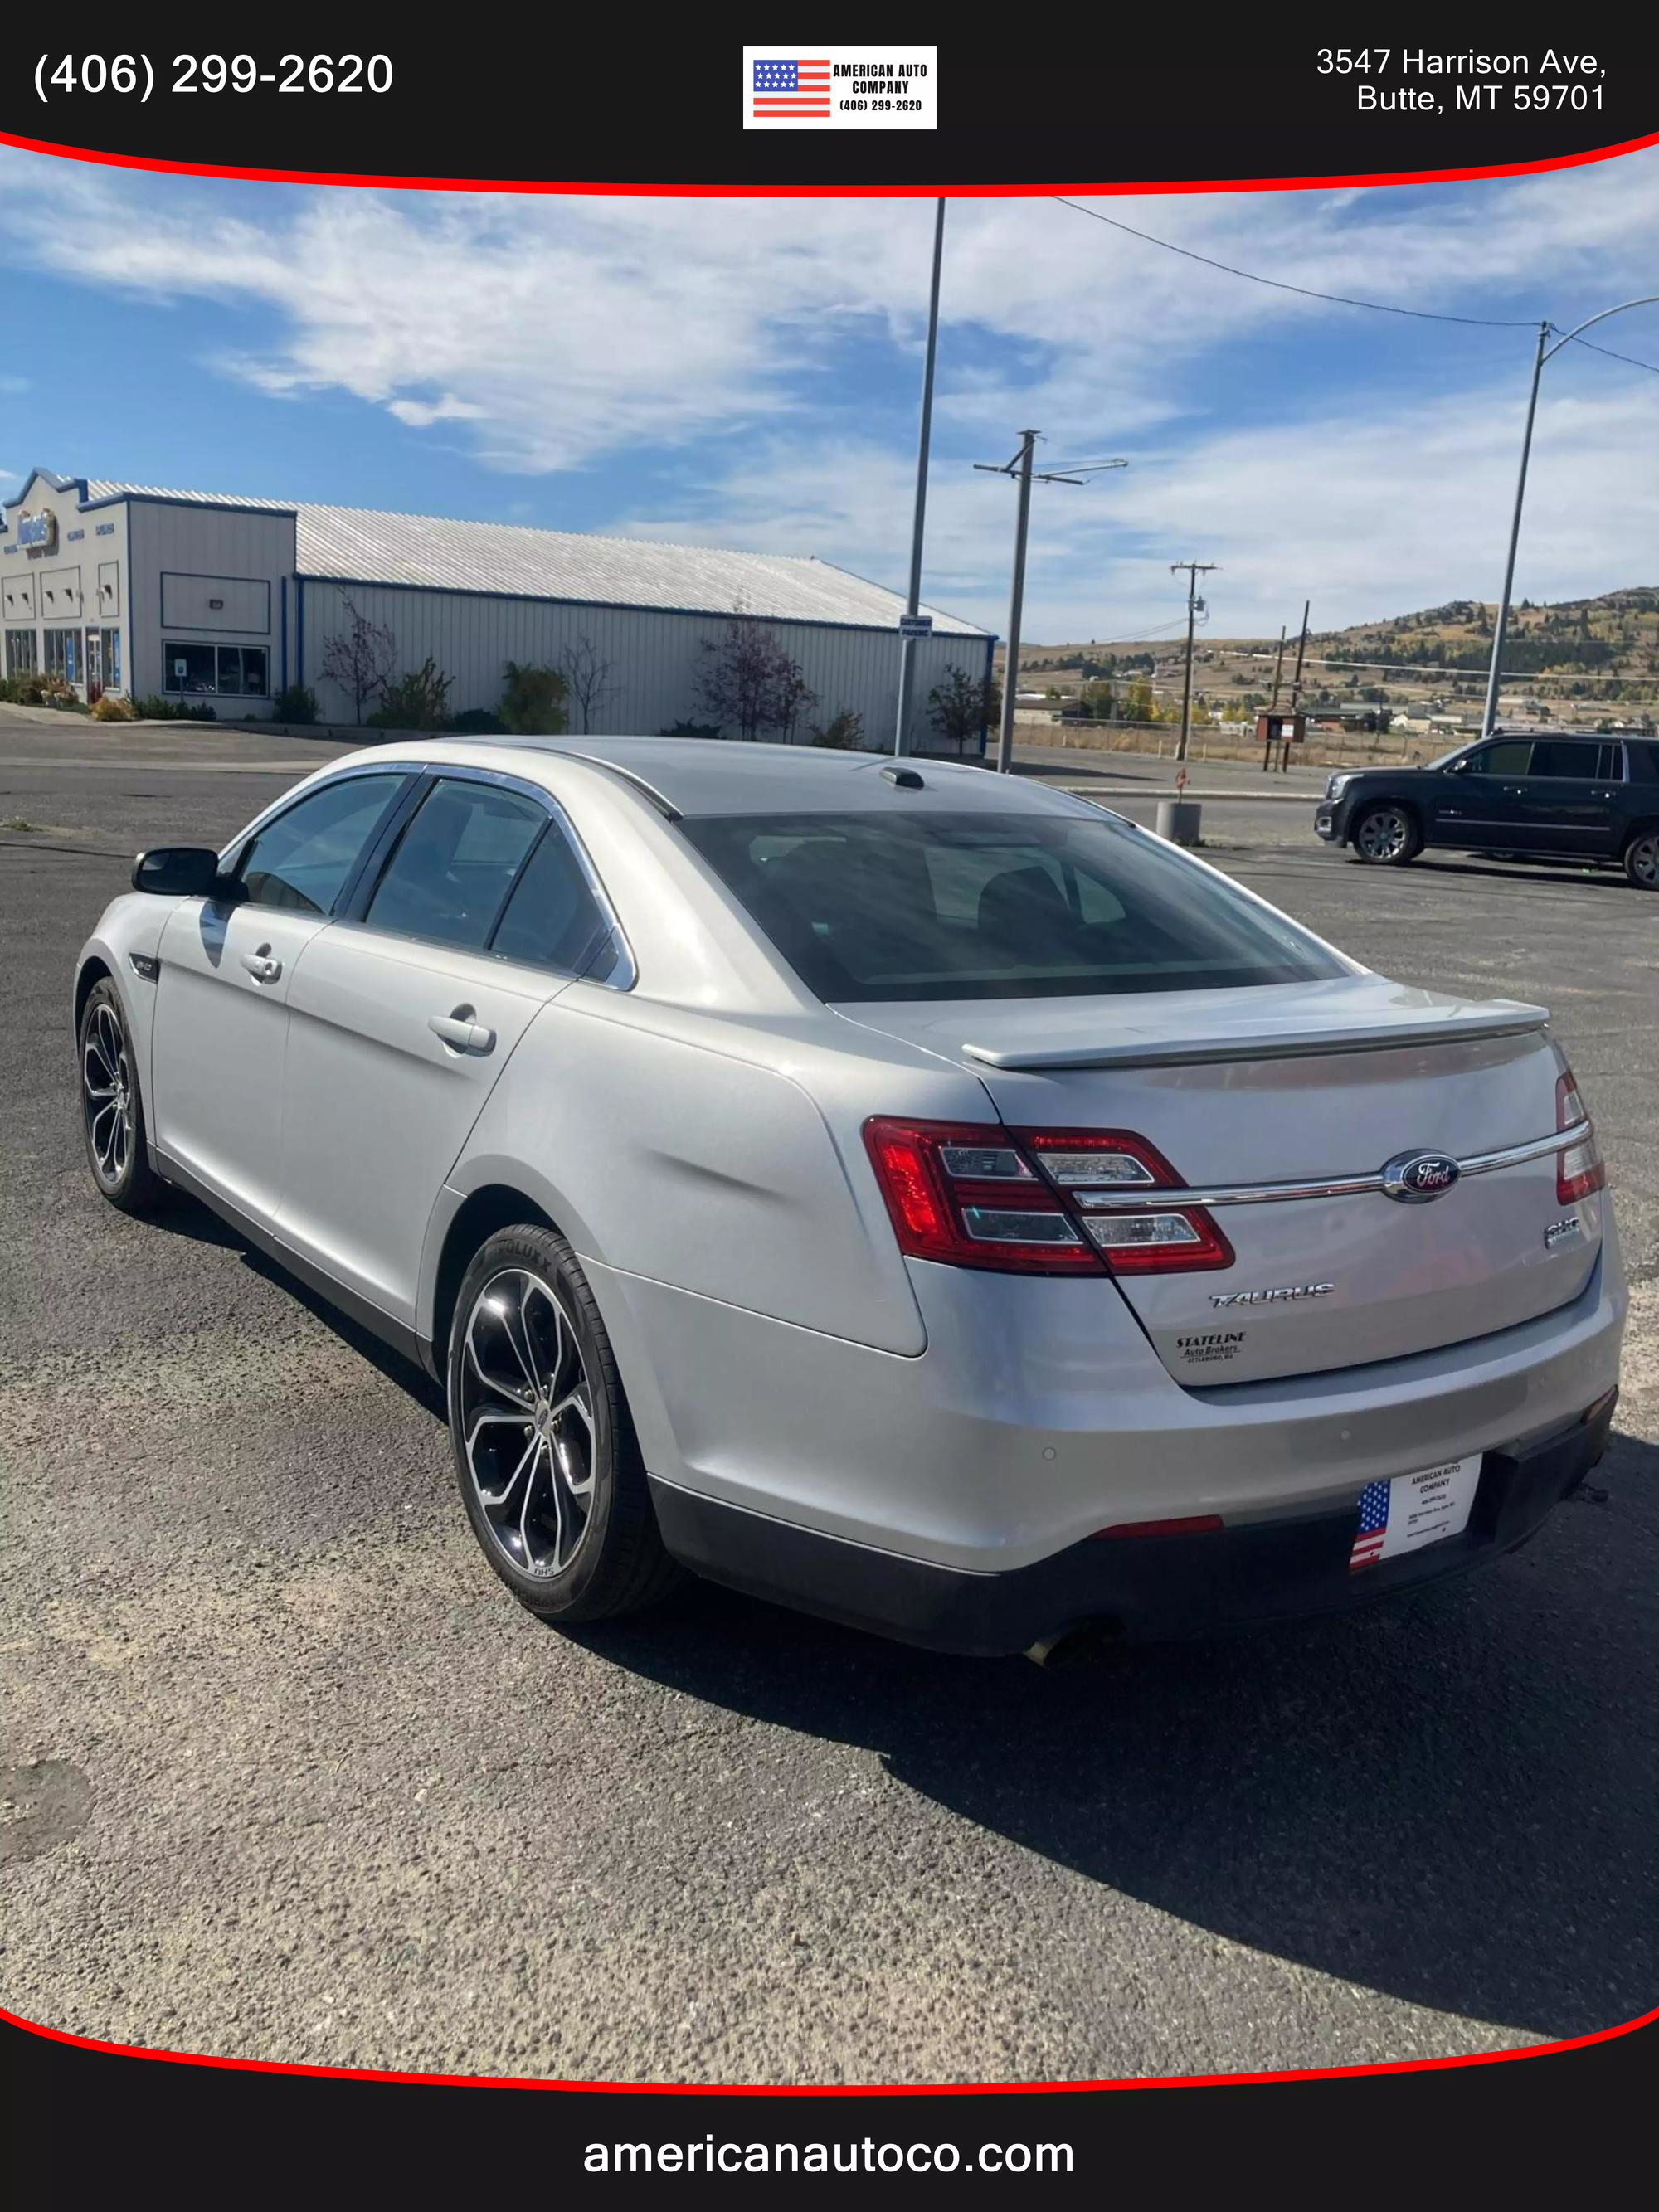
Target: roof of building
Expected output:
[432,552]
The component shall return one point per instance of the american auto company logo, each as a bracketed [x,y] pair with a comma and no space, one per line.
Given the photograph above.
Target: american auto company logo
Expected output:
[1414,1178]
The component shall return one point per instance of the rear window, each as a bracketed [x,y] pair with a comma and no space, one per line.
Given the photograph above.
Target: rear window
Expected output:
[970,906]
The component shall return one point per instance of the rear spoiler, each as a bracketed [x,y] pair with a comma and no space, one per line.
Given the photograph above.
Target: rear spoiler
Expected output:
[1288,1041]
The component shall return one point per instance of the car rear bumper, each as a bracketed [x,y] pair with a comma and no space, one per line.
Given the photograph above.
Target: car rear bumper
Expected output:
[1140,1588]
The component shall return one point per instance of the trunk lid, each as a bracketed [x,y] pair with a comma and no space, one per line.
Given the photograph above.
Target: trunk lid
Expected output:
[1303,1084]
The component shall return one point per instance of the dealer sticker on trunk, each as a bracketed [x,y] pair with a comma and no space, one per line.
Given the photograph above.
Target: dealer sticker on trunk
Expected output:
[1414,1509]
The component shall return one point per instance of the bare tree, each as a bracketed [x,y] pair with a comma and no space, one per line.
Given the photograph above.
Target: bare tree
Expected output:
[586,676]
[360,658]
[748,683]
[962,705]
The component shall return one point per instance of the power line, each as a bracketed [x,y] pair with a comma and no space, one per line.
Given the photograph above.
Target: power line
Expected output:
[1431,668]
[1304,291]
[1629,359]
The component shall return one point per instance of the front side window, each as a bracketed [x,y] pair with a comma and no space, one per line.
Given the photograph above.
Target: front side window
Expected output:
[303,858]
[455,862]
[1509,756]
[972,906]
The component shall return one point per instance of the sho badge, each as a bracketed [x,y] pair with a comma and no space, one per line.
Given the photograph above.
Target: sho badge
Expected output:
[1288,1295]
[1559,1232]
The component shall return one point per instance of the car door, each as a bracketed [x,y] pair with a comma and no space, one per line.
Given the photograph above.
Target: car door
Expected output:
[1569,798]
[405,1011]
[227,968]
[1476,804]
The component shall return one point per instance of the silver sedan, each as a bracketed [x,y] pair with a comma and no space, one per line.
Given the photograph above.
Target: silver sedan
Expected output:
[911,1194]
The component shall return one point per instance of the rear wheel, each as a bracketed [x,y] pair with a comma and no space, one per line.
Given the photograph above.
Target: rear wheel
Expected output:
[546,1453]
[112,1110]
[1387,836]
[1642,860]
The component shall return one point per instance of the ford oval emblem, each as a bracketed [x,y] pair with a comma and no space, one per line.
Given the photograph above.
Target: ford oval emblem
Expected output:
[1414,1178]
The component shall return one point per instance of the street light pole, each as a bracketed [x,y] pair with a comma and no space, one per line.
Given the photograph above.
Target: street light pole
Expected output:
[1500,626]
[906,642]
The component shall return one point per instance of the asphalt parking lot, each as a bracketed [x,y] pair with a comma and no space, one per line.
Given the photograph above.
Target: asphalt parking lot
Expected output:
[289,1775]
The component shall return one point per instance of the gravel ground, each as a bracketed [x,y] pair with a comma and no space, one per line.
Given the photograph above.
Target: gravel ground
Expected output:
[291,1777]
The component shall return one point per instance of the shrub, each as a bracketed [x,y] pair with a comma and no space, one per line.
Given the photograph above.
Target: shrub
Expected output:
[33,689]
[845,733]
[477,722]
[691,730]
[419,700]
[296,703]
[533,703]
[110,707]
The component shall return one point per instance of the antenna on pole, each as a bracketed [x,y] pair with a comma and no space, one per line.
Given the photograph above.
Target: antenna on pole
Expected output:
[1020,469]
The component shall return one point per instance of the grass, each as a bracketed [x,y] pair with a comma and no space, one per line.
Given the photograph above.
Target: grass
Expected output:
[22,825]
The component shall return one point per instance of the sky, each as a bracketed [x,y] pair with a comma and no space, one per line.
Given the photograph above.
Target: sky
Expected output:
[747,373]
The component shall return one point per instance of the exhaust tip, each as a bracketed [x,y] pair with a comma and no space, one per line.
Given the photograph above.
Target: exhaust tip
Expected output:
[1069,1648]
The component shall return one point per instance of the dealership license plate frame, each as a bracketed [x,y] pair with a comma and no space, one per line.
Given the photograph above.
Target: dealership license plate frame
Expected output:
[1427,1505]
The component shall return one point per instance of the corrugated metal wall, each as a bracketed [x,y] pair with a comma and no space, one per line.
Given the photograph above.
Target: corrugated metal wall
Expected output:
[243,549]
[655,656]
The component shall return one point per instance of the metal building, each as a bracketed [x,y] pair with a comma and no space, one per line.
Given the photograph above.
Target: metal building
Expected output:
[198,597]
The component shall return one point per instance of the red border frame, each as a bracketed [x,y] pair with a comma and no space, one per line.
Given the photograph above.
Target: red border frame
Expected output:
[820,191]
[850,2090]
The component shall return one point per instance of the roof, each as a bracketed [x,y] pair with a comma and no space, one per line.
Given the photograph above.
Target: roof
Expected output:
[364,545]
[710,776]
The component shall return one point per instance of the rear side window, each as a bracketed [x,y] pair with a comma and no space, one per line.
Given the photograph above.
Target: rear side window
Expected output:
[973,906]
[1562,756]
[302,860]
[552,919]
[455,862]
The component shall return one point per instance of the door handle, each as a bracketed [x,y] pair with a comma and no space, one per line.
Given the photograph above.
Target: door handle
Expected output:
[461,1032]
[261,966]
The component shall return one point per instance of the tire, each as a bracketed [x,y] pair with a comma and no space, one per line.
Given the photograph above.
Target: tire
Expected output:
[1386,835]
[552,1480]
[1642,860]
[112,1107]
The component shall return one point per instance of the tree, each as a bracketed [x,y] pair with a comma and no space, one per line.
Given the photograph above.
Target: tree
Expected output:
[962,705]
[748,683]
[360,660]
[843,733]
[533,703]
[587,679]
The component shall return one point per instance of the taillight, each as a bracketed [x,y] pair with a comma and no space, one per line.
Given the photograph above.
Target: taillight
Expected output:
[966,1196]
[1579,1168]
[1041,1202]
[1112,1178]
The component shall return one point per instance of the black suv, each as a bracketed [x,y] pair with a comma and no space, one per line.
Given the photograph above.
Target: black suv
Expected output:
[1519,795]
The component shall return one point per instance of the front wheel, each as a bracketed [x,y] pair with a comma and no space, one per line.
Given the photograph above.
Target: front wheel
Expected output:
[1642,860]
[1387,836]
[112,1110]
[544,1448]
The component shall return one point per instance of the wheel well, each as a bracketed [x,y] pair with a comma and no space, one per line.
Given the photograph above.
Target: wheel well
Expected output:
[94,971]
[1639,829]
[496,1205]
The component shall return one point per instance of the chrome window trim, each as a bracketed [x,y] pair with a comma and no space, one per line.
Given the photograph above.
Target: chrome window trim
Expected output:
[1355,1186]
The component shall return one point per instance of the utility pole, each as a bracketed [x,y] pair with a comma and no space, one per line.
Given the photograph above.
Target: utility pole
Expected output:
[1278,667]
[1020,469]
[1194,569]
[1546,352]
[906,642]
[1301,653]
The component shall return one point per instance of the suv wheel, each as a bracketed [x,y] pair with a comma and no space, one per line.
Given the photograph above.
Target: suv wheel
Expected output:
[1642,860]
[112,1110]
[546,1453]
[1387,836]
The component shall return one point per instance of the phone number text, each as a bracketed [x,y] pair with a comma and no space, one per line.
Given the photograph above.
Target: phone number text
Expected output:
[135,75]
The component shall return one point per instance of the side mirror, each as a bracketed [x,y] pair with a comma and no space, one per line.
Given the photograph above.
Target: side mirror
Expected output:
[178,872]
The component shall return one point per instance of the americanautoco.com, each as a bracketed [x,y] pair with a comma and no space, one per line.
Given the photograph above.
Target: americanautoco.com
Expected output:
[708,2156]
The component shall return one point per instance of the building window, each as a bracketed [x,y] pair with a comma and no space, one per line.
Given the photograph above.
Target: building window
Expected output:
[64,655]
[113,660]
[241,672]
[22,659]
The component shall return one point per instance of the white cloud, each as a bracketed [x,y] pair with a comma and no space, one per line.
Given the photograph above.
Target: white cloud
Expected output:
[576,333]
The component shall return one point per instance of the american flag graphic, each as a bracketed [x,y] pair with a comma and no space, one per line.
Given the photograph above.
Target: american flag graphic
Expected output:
[1373,1525]
[790,89]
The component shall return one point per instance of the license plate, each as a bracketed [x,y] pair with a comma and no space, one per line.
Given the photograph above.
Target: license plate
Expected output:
[1414,1509]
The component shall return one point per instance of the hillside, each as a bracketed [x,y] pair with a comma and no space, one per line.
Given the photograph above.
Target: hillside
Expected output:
[1579,661]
